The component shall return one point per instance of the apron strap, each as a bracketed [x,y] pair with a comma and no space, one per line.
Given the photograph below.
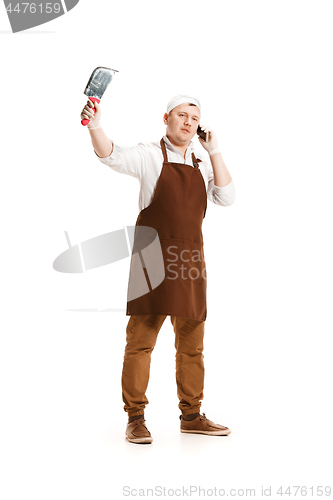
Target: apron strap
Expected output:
[165,156]
[164,151]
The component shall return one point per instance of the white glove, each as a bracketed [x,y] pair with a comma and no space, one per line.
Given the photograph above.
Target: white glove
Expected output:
[212,145]
[94,117]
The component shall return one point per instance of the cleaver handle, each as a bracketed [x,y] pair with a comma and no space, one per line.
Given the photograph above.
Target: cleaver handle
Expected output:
[93,99]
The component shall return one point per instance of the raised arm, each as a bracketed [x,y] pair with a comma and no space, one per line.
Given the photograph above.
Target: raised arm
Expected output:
[101,143]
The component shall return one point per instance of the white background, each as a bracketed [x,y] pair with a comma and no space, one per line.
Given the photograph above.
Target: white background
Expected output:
[263,72]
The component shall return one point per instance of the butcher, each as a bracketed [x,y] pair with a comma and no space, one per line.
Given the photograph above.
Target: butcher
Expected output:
[175,184]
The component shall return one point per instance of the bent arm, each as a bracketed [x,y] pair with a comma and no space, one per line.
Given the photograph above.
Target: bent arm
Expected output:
[222,176]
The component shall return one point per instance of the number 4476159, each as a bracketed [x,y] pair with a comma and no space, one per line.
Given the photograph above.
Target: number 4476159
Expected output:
[32,8]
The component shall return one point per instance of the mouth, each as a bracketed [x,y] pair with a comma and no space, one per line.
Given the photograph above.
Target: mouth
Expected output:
[185,130]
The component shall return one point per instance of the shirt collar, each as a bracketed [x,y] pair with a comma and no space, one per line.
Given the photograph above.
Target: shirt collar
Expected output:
[172,148]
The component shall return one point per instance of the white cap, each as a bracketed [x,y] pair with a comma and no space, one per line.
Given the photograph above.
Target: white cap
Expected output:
[182,99]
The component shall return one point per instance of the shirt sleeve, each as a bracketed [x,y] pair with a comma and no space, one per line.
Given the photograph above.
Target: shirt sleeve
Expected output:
[126,160]
[224,196]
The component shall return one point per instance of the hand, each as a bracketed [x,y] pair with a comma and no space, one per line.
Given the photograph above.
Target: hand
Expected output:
[212,139]
[88,114]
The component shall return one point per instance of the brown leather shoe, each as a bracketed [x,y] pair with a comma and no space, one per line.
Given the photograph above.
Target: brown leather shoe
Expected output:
[201,425]
[137,432]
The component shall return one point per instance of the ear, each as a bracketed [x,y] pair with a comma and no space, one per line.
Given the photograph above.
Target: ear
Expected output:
[165,118]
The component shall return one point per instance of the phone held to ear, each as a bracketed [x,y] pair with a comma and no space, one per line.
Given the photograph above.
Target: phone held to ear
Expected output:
[202,134]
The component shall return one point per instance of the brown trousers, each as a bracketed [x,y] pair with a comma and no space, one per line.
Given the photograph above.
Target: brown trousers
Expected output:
[141,336]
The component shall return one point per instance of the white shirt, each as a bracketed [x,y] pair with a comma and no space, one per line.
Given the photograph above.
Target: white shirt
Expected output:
[145,161]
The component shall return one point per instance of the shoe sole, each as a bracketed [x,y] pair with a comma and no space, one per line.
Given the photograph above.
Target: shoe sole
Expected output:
[208,433]
[146,440]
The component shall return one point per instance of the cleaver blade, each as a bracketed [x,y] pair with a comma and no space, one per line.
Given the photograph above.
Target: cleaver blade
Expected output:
[98,82]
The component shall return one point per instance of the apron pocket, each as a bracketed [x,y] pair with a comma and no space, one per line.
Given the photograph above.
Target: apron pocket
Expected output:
[147,265]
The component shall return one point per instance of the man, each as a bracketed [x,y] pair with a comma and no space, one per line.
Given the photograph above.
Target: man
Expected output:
[174,188]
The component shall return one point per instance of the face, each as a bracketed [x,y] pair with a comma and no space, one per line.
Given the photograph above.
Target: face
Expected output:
[182,123]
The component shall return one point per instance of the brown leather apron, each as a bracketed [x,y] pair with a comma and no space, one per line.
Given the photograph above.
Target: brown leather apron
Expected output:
[176,212]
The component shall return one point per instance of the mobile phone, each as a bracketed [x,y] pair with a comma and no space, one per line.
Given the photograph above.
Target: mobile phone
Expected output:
[202,134]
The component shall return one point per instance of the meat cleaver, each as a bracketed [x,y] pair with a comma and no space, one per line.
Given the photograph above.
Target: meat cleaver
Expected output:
[97,85]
